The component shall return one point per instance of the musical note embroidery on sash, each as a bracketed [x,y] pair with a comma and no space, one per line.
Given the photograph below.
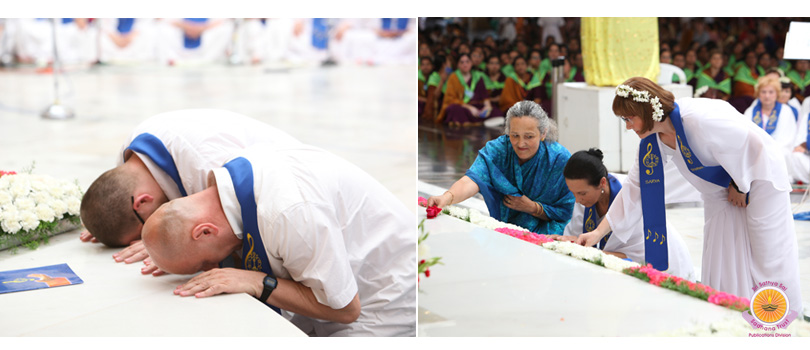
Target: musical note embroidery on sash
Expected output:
[687,153]
[758,118]
[590,225]
[660,238]
[650,160]
[252,260]
[772,121]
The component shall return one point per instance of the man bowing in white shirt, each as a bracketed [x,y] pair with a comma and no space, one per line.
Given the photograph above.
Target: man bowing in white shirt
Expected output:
[317,237]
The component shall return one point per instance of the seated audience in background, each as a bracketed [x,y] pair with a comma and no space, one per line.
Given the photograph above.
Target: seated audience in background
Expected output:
[521,85]
[713,82]
[466,99]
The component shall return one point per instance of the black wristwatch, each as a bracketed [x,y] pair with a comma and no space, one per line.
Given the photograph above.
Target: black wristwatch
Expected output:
[270,284]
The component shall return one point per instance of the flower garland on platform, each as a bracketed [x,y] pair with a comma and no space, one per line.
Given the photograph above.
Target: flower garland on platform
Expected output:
[31,206]
[646,273]
[425,264]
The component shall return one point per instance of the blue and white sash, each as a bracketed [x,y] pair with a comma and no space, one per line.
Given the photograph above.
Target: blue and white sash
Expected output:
[390,24]
[714,174]
[150,146]
[125,25]
[807,140]
[320,33]
[795,112]
[651,176]
[253,254]
[589,219]
[193,43]
[773,119]
[651,179]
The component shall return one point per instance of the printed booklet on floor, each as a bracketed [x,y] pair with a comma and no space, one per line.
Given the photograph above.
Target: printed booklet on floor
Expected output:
[36,278]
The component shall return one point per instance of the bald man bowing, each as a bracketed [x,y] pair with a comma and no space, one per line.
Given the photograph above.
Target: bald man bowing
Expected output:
[317,237]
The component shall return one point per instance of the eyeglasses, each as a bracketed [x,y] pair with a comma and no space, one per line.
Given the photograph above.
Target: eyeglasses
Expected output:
[135,211]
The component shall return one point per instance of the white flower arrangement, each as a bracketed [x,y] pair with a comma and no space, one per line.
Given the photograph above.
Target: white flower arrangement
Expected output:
[32,205]
[702,90]
[590,254]
[459,212]
[617,264]
[642,96]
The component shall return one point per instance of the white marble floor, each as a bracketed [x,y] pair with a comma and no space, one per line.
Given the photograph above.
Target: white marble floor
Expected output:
[363,114]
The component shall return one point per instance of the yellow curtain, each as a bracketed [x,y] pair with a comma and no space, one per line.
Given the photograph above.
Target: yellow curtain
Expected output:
[615,49]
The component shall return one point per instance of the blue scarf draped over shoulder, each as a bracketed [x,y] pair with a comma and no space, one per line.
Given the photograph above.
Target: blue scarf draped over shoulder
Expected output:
[498,172]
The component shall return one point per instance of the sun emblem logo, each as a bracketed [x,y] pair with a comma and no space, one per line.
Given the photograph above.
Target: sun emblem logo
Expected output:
[769,305]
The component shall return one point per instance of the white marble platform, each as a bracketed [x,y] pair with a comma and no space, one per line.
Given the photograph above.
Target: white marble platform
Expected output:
[495,285]
[116,300]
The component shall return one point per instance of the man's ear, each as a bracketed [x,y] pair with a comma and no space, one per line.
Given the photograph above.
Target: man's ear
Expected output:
[204,230]
[142,199]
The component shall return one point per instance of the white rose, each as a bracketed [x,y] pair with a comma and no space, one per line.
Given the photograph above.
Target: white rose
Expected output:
[551,245]
[42,197]
[617,264]
[38,183]
[73,205]
[461,213]
[11,227]
[5,197]
[56,191]
[71,189]
[29,220]
[424,251]
[4,182]
[586,253]
[20,189]
[25,203]
[59,207]
[45,213]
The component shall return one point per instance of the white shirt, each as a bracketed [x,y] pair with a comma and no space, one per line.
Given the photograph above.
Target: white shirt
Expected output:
[330,226]
[200,140]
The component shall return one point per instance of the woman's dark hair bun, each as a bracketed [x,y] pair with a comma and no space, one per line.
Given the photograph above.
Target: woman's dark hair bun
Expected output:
[596,153]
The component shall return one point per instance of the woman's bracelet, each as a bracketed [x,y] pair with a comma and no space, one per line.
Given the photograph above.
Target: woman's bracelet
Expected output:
[452,197]
[539,209]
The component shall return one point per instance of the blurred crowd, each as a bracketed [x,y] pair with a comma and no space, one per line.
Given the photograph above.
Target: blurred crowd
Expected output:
[207,40]
[472,69]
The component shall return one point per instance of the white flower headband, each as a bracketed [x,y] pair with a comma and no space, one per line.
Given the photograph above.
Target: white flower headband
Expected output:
[642,96]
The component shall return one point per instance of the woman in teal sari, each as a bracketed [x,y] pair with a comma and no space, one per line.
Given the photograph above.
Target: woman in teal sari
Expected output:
[520,174]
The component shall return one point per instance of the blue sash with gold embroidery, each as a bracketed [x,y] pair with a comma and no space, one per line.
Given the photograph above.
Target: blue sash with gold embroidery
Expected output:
[253,253]
[150,146]
[651,179]
[714,174]
[772,119]
[589,220]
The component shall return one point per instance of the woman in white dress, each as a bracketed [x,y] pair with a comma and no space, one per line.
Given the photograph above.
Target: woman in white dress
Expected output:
[595,189]
[749,235]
